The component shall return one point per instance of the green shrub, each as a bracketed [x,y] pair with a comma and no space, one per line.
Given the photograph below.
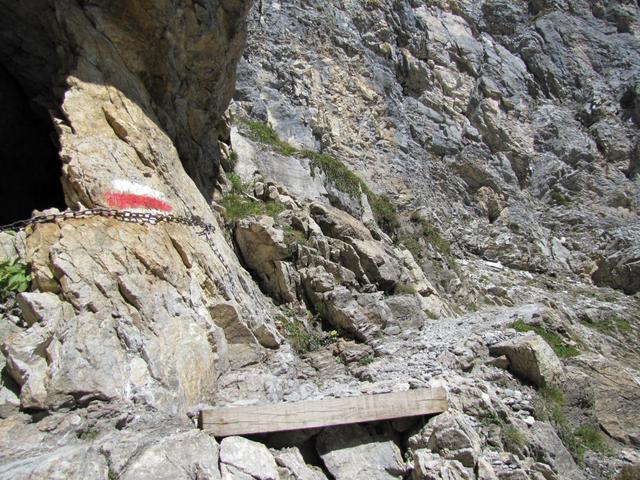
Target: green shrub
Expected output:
[233,160]
[490,418]
[303,339]
[513,436]
[237,186]
[559,198]
[13,278]
[384,212]
[364,361]
[555,341]
[292,236]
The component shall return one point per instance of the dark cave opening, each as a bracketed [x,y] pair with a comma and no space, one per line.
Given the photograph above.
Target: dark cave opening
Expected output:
[28,154]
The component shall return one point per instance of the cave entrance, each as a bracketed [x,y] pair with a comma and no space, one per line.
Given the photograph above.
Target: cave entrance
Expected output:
[31,165]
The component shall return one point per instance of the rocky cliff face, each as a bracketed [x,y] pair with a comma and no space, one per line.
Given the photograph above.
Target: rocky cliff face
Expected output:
[404,195]
[517,119]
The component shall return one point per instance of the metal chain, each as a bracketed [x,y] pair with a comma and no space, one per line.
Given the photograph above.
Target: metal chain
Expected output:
[123,216]
[133,217]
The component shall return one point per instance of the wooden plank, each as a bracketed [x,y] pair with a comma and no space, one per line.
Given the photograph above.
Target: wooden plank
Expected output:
[279,417]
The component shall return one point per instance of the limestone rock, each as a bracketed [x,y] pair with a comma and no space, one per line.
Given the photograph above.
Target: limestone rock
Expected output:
[263,249]
[353,452]
[291,466]
[452,437]
[616,391]
[160,449]
[619,268]
[531,359]
[243,459]
[485,470]
[139,331]
[548,449]
[338,224]
[430,466]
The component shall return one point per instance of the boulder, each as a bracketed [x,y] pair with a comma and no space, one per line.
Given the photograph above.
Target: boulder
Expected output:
[353,451]
[548,449]
[531,359]
[263,250]
[66,446]
[242,459]
[431,466]
[338,224]
[616,394]
[451,436]
[292,466]
[619,267]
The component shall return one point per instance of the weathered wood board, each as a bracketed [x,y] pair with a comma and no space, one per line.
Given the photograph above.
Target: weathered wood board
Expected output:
[279,417]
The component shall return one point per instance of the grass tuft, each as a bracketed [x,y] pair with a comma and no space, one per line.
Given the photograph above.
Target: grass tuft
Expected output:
[555,341]
[513,436]
[303,339]
[264,133]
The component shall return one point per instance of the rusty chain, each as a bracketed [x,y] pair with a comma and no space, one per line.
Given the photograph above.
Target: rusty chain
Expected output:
[121,215]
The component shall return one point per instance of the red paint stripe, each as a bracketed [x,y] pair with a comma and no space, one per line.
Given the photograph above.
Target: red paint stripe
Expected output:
[130,200]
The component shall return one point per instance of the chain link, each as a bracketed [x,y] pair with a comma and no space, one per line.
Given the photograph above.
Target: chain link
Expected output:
[121,215]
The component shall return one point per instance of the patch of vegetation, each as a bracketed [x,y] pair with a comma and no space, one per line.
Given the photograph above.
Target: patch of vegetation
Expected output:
[559,198]
[233,160]
[513,436]
[411,243]
[611,326]
[384,212]
[364,361]
[238,206]
[292,236]
[404,289]
[427,231]
[335,172]
[237,185]
[591,438]
[514,227]
[431,234]
[431,315]
[348,182]
[490,418]
[548,407]
[555,341]
[264,133]
[89,435]
[274,208]
[629,472]
[111,474]
[13,278]
[303,339]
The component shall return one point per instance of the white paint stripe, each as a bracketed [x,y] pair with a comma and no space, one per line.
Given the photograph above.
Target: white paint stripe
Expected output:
[126,186]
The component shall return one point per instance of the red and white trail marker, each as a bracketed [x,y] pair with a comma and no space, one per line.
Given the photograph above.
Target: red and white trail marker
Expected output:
[127,195]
